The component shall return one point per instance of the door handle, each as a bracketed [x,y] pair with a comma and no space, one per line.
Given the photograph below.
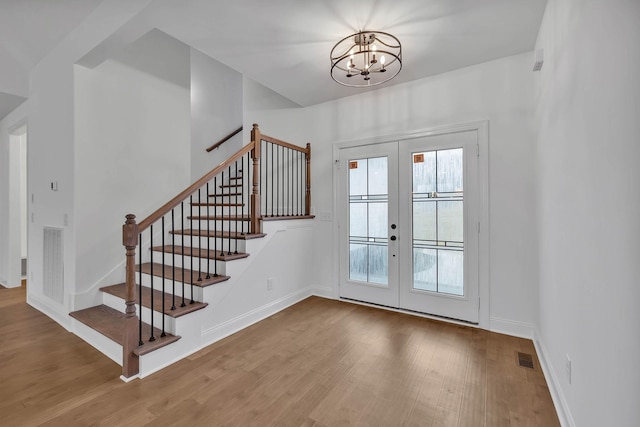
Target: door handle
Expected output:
[393,237]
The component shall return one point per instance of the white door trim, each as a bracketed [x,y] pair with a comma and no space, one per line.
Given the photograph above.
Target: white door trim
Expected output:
[482,128]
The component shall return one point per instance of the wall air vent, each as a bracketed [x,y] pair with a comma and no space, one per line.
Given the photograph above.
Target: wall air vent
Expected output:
[53,267]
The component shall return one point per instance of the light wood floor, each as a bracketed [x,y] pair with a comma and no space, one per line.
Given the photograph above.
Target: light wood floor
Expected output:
[320,362]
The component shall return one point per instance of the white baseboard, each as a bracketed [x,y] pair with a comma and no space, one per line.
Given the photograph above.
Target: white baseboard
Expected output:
[46,307]
[511,327]
[245,320]
[559,401]
[322,291]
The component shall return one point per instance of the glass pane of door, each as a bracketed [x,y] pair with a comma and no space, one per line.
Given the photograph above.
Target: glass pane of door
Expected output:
[368,220]
[438,221]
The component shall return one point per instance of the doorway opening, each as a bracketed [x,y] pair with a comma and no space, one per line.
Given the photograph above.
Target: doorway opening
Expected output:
[18,207]
[409,214]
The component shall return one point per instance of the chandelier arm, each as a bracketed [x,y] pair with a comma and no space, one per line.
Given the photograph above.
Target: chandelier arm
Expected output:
[388,45]
[344,55]
[360,50]
[393,56]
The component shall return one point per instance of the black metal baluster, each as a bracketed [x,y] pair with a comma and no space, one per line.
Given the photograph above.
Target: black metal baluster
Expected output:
[220,208]
[199,237]
[290,182]
[182,250]
[215,230]
[228,214]
[140,342]
[191,244]
[272,180]
[235,182]
[263,179]
[302,183]
[208,236]
[293,181]
[151,338]
[173,262]
[243,197]
[163,334]
[277,170]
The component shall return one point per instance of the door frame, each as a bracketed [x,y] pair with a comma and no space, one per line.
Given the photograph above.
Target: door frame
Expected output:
[482,130]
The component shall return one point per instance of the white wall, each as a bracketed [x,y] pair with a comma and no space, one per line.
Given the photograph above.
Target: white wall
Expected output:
[216,111]
[283,256]
[132,150]
[52,146]
[9,196]
[14,79]
[498,91]
[587,111]
[23,193]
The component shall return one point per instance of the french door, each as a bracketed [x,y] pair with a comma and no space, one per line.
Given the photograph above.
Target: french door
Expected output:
[408,219]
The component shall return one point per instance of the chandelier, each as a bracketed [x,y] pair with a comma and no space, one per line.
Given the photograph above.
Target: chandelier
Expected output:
[367,58]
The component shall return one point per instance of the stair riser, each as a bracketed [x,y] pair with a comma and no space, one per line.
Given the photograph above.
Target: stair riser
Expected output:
[215,210]
[119,304]
[198,263]
[225,225]
[168,287]
[209,243]
[189,328]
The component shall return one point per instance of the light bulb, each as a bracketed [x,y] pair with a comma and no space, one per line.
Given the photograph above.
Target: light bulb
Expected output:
[382,60]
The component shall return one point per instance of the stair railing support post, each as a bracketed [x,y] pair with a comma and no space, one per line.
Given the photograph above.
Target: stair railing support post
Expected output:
[307,201]
[255,210]
[130,362]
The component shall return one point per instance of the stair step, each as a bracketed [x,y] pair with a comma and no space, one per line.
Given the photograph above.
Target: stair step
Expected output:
[120,290]
[283,217]
[200,253]
[110,322]
[215,204]
[225,194]
[236,177]
[230,185]
[218,233]
[190,277]
[220,218]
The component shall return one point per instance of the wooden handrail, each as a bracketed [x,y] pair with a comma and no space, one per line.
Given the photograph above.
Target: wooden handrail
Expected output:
[166,208]
[225,139]
[277,141]
[132,231]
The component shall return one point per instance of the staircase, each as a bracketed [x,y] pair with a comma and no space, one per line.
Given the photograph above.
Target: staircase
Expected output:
[155,316]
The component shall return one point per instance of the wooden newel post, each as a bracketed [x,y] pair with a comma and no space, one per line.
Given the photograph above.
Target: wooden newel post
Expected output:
[307,201]
[130,362]
[255,213]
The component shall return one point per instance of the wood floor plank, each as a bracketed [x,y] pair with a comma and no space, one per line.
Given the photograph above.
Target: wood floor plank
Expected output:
[318,363]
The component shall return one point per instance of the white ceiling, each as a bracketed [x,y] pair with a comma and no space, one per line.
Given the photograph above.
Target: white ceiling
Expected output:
[29,29]
[285,44]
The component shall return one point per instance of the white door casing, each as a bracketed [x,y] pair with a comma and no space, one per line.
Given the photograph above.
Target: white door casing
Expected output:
[462,304]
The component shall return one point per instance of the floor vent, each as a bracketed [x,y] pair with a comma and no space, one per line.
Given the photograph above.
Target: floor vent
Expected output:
[525,360]
[53,271]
